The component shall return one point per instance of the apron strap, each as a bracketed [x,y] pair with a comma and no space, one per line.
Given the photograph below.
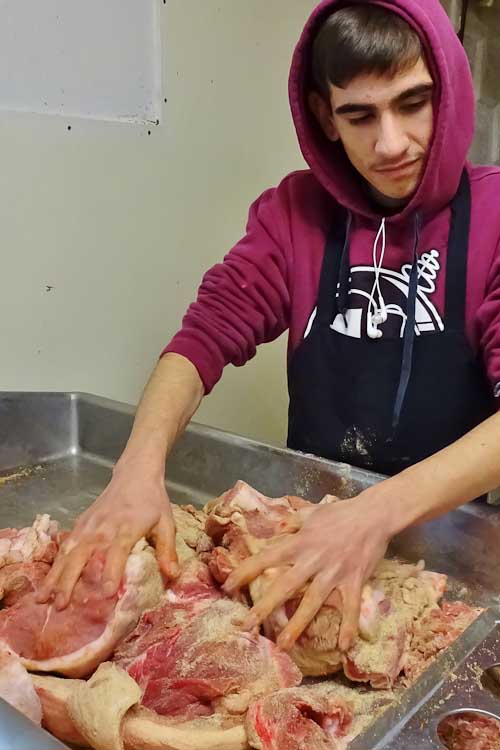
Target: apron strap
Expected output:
[336,247]
[456,258]
[409,333]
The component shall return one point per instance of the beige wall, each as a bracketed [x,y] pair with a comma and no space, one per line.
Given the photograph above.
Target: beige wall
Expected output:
[122,224]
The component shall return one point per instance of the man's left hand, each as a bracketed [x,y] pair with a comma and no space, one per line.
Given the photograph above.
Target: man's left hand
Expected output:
[331,555]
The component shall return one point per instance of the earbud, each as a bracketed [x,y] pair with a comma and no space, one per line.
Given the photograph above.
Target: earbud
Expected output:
[371,326]
[380,316]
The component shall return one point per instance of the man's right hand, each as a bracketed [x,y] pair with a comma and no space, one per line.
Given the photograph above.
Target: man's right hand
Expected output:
[131,507]
[135,503]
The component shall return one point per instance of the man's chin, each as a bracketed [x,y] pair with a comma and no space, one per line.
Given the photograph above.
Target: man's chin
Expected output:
[396,189]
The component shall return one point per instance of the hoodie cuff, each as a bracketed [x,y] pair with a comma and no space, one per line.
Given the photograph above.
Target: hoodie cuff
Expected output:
[209,369]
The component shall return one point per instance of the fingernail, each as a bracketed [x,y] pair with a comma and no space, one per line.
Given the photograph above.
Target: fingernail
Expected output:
[173,570]
[60,601]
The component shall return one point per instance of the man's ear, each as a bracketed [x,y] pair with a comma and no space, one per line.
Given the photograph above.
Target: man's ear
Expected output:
[322,110]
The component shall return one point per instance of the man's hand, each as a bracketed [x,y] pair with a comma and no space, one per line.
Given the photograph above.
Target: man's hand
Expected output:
[333,554]
[135,503]
[131,506]
[339,545]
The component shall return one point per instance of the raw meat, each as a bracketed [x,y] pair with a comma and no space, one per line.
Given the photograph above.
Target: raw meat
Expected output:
[144,730]
[73,711]
[470,731]
[409,592]
[299,719]
[262,515]
[191,539]
[326,716]
[141,729]
[16,687]
[109,686]
[37,543]
[19,579]
[242,521]
[76,640]
[186,676]
[435,632]
[54,694]
[191,658]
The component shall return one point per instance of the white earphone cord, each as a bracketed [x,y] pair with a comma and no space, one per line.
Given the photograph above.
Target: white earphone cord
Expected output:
[377,313]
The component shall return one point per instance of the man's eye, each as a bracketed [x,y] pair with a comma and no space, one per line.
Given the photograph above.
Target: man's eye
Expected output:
[361,120]
[414,106]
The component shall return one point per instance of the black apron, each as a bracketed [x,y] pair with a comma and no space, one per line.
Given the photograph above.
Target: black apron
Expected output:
[386,404]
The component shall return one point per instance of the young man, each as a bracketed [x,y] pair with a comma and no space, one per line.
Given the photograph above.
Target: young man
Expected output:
[382,261]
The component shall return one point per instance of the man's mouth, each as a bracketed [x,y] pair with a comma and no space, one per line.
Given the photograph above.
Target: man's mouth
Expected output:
[395,170]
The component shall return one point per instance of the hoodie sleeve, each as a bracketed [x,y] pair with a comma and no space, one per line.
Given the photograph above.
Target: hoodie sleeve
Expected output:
[489,327]
[243,301]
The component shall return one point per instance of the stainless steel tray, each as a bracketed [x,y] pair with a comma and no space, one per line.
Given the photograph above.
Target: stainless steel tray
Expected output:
[56,455]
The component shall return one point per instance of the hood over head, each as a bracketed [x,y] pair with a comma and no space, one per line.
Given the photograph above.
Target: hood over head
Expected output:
[453,111]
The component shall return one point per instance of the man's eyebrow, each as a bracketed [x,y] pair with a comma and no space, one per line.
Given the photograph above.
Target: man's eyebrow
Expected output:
[418,90]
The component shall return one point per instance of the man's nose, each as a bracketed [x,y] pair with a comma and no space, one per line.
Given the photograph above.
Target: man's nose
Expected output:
[392,140]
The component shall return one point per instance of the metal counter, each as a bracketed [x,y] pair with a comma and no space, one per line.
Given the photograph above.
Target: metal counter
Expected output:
[19,733]
[56,455]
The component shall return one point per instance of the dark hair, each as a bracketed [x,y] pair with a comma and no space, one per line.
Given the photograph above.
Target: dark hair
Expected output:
[362,39]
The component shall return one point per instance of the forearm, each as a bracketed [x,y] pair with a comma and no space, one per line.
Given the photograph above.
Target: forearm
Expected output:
[467,469]
[170,399]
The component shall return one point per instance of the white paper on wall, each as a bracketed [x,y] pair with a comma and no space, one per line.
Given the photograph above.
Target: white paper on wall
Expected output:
[98,59]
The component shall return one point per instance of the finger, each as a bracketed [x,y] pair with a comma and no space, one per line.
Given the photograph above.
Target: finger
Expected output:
[351,596]
[311,603]
[50,581]
[274,556]
[70,572]
[283,589]
[165,544]
[46,590]
[114,568]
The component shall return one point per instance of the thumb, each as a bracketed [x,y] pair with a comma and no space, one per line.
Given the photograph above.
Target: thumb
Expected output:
[165,545]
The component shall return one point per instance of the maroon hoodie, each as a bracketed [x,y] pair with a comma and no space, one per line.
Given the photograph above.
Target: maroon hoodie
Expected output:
[269,281]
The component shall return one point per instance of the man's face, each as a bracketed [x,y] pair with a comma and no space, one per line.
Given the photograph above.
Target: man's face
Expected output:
[385,125]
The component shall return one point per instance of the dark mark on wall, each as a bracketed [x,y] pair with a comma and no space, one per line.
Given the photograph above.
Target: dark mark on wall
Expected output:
[48,288]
